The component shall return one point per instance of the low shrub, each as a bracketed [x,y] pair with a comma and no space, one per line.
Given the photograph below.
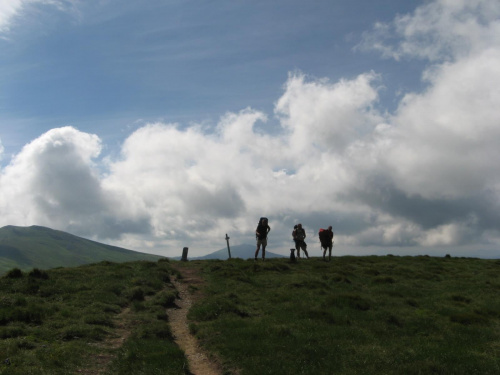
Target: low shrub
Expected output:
[14,273]
[38,274]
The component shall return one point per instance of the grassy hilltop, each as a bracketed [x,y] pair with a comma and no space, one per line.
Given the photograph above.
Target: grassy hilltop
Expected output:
[354,315]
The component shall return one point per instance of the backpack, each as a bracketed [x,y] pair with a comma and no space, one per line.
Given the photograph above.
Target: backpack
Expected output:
[261,224]
[300,234]
[324,237]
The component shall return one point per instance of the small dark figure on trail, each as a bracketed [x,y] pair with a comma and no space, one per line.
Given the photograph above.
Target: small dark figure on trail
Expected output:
[326,239]
[292,255]
[261,232]
[299,236]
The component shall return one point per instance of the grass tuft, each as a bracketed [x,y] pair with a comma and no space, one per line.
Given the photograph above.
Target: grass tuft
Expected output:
[384,280]
[352,301]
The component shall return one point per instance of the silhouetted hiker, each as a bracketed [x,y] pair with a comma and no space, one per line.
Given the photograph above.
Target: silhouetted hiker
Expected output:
[261,232]
[326,240]
[299,236]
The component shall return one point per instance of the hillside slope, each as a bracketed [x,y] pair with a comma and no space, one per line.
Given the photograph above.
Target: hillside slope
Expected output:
[40,247]
[244,251]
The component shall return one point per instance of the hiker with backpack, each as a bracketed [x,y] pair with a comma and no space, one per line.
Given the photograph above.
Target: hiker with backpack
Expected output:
[326,240]
[299,236]
[261,232]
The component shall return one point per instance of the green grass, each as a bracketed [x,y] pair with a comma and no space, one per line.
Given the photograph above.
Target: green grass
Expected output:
[354,315]
[58,321]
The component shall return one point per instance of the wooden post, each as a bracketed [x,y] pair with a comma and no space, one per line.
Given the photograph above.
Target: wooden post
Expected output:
[185,254]
[228,248]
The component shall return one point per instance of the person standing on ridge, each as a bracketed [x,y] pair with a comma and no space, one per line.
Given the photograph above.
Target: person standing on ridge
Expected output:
[299,236]
[261,232]
[326,240]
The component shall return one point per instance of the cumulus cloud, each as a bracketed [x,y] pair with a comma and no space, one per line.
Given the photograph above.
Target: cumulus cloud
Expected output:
[425,175]
[456,123]
[329,116]
[10,10]
[440,149]
[53,181]
[439,30]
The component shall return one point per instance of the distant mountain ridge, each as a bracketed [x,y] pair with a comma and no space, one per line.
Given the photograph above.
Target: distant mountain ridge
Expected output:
[41,247]
[244,251]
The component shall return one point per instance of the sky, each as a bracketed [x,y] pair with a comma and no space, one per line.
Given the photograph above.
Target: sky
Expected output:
[166,124]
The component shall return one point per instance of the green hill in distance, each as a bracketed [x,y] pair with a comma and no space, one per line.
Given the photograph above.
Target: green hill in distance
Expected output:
[238,251]
[40,247]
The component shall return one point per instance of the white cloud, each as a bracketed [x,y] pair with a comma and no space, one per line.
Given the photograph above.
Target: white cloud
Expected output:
[53,181]
[427,175]
[329,116]
[434,163]
[187,184]
[447,138]
[448,234]
[12,10]
[439,30]
[8,9]
[400,181]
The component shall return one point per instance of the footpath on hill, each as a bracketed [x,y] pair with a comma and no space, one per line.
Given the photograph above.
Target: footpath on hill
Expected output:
[198,360]
[188,286]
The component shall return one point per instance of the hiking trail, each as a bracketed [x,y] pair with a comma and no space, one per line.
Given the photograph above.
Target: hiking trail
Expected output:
[199,362]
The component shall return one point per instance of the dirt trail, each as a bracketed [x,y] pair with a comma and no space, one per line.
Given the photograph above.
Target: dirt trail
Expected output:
[199,362]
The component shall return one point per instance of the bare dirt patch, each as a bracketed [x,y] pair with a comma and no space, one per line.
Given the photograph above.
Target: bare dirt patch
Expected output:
[199,362]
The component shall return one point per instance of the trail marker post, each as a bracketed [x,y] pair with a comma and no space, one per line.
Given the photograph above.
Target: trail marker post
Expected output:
[228,248]
[185,254]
